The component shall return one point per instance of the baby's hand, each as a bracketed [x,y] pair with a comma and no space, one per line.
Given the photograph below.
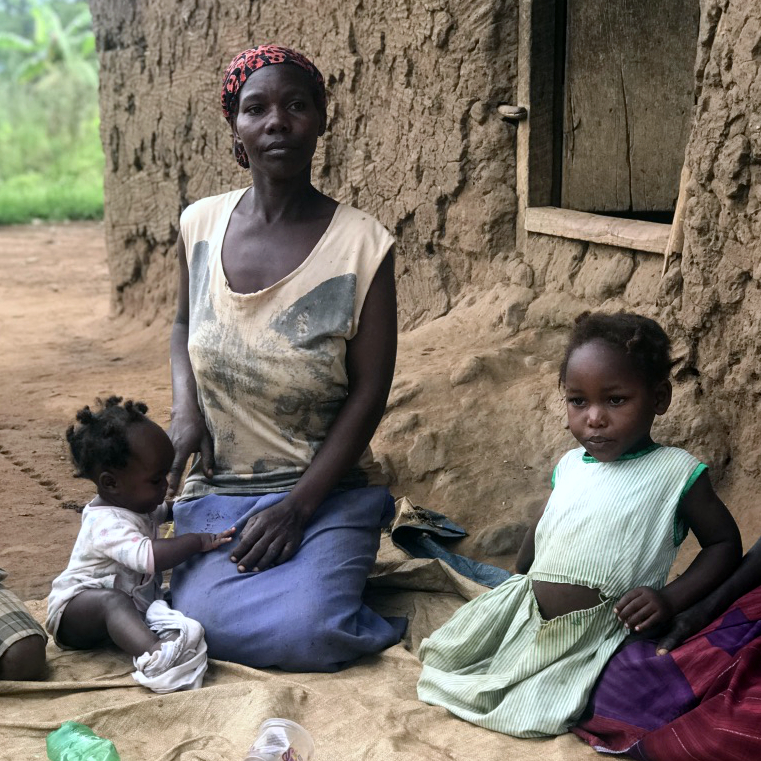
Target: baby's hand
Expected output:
[642,608]
[212,541]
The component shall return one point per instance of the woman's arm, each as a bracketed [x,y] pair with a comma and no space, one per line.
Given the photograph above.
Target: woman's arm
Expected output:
[273,536]
[721,549]
[188,430]
[704,612]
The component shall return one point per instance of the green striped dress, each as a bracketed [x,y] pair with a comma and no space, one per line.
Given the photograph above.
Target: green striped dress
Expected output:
[609,526]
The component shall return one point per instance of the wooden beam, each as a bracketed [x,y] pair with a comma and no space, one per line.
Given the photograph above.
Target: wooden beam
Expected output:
[536,92]
[675,242]
[596,228]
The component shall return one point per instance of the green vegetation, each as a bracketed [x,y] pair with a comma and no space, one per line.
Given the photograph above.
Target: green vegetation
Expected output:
[51,160]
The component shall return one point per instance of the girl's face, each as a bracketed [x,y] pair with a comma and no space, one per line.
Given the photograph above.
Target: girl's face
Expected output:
[278,121]
[610,406]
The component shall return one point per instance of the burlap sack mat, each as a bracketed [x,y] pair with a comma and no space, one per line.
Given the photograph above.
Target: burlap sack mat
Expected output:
[367,712]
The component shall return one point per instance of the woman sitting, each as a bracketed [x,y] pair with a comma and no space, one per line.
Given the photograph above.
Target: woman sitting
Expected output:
[283,352]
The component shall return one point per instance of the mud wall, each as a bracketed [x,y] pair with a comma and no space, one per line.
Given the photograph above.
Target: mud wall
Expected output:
[475,419]
[412,137]
[710,297]
[712,294]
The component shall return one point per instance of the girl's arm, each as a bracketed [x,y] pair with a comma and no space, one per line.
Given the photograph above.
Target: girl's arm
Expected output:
[721,550]
[704,612]
[188,430]
[273,536]
[168,553]
[525,558]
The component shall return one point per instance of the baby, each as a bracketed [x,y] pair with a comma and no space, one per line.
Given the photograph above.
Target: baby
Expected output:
[111,590]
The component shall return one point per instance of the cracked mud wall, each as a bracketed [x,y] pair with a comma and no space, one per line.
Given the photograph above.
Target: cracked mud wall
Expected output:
[712,294]
[710,297]
[413,136]
[475,419]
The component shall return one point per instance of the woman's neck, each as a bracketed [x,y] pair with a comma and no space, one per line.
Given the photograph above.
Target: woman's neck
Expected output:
[284,201]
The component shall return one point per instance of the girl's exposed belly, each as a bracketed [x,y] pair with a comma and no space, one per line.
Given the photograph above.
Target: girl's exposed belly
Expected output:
[556,599]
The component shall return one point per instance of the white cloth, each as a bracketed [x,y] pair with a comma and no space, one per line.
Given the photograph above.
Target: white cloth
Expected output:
[181,662]
[114,550]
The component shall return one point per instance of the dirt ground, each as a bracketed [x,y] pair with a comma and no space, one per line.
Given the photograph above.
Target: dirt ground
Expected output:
[470,436]
[60,349]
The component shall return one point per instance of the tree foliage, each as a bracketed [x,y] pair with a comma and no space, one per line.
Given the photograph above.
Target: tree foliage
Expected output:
[49,87]
[48,47]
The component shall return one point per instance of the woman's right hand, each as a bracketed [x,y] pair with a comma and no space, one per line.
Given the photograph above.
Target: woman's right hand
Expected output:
[189,435]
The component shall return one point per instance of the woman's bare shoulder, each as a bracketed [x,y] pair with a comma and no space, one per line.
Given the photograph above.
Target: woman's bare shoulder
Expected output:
[210,204]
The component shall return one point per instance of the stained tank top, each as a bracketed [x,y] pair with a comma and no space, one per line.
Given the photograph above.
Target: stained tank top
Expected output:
[270,365]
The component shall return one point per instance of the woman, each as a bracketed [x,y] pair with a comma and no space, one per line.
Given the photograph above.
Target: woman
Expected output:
[283,353]
[697,701]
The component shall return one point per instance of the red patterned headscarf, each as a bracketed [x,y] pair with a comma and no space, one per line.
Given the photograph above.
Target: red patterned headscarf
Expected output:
[247,62]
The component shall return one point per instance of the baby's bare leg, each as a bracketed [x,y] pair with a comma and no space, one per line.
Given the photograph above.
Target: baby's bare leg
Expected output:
[96,616]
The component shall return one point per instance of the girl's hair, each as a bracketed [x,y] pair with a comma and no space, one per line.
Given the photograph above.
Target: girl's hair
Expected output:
[643,340]
[99,441]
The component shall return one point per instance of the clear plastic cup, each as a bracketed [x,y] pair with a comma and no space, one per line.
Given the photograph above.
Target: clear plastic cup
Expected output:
[281,740]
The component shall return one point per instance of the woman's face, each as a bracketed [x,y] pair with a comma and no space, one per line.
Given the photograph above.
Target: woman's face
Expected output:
[278,121]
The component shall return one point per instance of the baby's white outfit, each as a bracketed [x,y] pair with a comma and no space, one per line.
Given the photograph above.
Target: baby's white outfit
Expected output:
[114,550]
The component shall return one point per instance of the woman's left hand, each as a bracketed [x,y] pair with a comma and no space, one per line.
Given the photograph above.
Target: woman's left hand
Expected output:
[270,537]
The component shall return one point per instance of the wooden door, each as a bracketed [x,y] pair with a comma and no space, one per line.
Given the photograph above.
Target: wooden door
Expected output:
[628,95]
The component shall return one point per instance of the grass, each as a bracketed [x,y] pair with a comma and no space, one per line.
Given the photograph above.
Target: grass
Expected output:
[31,196]
[51,159]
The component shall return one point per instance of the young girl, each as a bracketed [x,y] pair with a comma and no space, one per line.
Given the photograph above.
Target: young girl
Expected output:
[111,590]
[522,658]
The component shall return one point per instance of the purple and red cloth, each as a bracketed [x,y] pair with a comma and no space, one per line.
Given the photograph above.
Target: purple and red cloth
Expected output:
[701,702]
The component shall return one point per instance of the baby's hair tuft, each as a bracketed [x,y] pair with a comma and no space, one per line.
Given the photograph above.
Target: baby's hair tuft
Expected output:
[99,441]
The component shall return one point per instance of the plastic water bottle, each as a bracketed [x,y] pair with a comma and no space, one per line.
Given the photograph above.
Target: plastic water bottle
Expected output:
[76,742]
[281,740]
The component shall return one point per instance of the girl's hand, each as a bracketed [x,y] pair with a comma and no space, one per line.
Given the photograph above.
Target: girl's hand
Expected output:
[642,608]
[270,537]
[189,435]
[212,541]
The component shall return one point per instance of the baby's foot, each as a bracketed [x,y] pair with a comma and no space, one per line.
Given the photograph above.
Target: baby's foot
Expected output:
[178,665]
